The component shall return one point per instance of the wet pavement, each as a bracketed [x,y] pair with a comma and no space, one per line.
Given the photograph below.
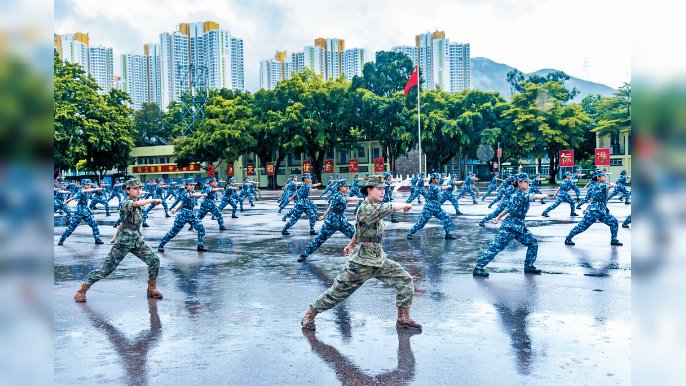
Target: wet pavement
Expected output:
[232,315]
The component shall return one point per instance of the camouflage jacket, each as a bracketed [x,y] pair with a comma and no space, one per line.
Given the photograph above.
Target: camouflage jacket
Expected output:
[370,224]
[129,214]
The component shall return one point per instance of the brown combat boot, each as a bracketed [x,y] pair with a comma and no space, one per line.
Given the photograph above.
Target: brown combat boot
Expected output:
[404,320]
[308,319]
[80,296]
[152,292]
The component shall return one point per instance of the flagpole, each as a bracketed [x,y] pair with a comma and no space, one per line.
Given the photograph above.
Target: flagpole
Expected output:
[419,115]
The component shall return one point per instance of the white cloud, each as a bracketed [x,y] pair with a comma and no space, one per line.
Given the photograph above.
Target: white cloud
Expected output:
[527,34]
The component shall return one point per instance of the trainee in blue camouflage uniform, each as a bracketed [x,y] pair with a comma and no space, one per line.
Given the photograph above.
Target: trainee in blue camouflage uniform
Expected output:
[187,201]
[507,192]
[329,186]
[246,191]
[230,197]
[388,194]
[255,189]
[158,192]
[620,188]
[597,211]
[492,187]
[626,222]
[100,197]
[513,227]
[118,191]
[355,191]
[447,195]
[172,191]
[562,194]
[288,190]
[334,219]
[60,195]
[535,183]
[432,208]
[575,178]
[302,204]
[413,190]
[501,189]
[82,213]
[467,187]
[368,260]
[209,205]
[127,239]
[589,189]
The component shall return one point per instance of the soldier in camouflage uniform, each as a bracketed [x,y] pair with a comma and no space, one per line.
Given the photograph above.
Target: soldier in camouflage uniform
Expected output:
[334,220]
[368,260]
[501,189]
[58,200]
[415,189]
[535,183]
[626,222]
[127,239]
[388,193]
[158,192]
[432,208]
[330,186]
[597,211]
[562,194]
[230,197]
[302,204]
[355,191]
[447,195]
[575,178]
[492,187]
[288,190]
[187,201]
[208,203]
[100,197]
[513,228]
[591,183]
[118,192]
[82,213]
[619,187]
[467,187]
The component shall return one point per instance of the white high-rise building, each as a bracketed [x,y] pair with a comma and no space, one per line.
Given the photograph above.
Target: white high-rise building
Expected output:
[151,51]
[174,59]
[353,62]
[275,70]
[333,56]
[440,61]
[101,67]
[298,62]
[460,67]
[134,82]
[237,70]
[217,47]
[313,58]
[73,48]
[410,51]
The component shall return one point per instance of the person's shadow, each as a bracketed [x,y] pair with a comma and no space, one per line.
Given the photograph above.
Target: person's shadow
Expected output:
[341,311]
[350,374]
[133,352]
[603,270]
[513,308]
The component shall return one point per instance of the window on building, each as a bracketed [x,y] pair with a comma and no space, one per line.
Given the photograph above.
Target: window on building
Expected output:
[615,162]
[344,157]
[614,144]
[343,170]
[375,152]
[363,169]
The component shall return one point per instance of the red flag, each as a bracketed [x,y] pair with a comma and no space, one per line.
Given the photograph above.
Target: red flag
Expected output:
[414,79]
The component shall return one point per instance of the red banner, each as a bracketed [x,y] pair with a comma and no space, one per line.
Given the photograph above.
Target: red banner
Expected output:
[328,166]
[567,158]
[378,165]
[307,166]
[229,170]
[165,169]
[270,169]
[210,170]
[250,169]
[500,153]
[352,166]
[602,156]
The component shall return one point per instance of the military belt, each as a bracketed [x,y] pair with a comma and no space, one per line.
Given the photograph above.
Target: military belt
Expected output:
[369,239]
[134,227]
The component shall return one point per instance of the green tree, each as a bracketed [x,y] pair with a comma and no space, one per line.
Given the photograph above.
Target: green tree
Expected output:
[441,132]
[150,125]
[614,113]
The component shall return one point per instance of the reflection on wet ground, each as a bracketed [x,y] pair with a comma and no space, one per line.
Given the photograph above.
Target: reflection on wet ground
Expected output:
[231,315]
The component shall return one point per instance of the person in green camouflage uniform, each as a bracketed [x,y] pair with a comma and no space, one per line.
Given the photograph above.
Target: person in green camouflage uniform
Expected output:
[127,239]
[368,260]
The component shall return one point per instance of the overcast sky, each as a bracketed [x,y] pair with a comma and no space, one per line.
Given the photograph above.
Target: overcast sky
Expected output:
[526,34]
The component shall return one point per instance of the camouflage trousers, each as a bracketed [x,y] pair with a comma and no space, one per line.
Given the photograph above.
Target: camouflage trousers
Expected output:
[243,195]
[100,200]
[491,188]
[560,199]
[297,211]
[229,201]
[576,191]
[124,244]
[620,189]
[432,211]
[503,238]
[627,221]
[501,207]
[58,205]
[354,275]
[467,189]
[151,206]
[284,202]
[584,200]
[85,215]
[453,200]
[501,194]
[416,194]
[182,217]
[590,218]
[211,207]
[331,225]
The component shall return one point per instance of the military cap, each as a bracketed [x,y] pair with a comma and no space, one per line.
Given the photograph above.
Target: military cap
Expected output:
[508,174]
[386,174]
[568,174]
[357,175]
[160,179]
[331,177]
[366,174]
[623,171]
[307,175]
[599,173]
[85,181]
[374,181]
[232,179]
[211,179]
[342,183]
[189,181]
[133,183]
[522,177]
[435,175]
[538,174]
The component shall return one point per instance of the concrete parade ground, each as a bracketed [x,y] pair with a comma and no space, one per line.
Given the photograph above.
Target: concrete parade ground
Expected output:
[231,316]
